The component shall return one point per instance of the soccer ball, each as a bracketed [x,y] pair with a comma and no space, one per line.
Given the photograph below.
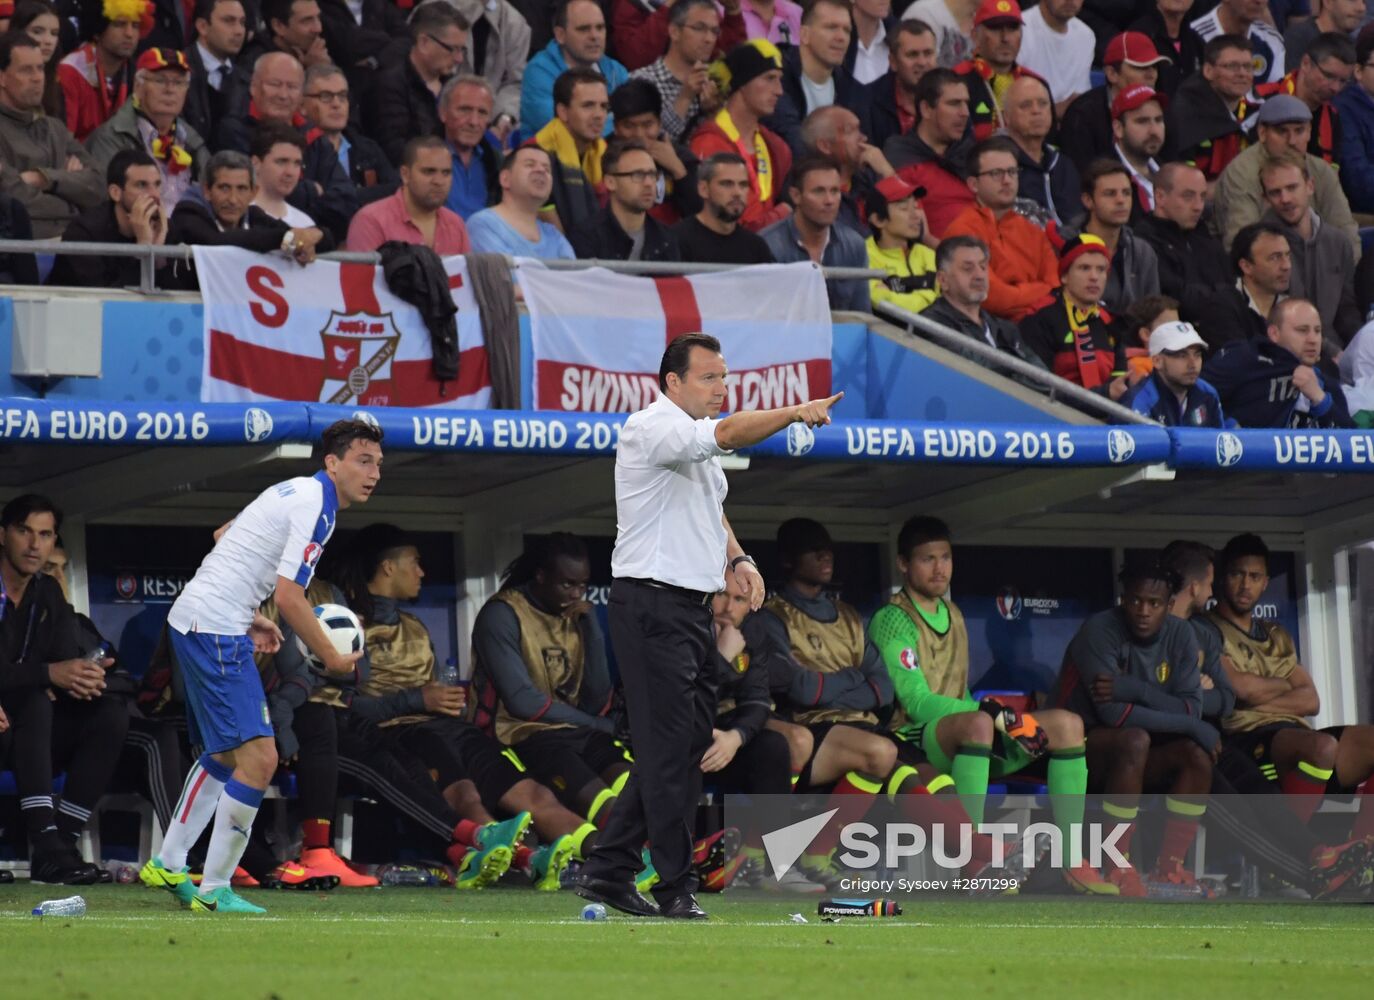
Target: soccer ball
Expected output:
[342,628]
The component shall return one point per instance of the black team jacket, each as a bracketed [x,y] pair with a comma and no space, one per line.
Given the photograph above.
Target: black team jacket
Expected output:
[1254,379]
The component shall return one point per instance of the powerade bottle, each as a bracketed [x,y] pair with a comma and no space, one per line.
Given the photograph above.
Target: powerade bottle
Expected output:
[858,908]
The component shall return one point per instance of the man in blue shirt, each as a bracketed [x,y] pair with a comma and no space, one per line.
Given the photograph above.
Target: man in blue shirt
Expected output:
[465,107]
[514,226]
[579,42]
[1175,393]
[812,233]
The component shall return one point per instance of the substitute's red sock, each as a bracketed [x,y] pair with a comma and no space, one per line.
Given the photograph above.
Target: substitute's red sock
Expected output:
[1364,819]
[1180,830]
[317,833]
[1305,786]
[466,832]
[852,796]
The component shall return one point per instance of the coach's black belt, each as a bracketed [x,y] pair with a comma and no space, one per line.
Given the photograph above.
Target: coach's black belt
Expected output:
[701,597]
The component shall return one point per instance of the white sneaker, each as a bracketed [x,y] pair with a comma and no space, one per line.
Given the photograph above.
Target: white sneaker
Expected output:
[794,881]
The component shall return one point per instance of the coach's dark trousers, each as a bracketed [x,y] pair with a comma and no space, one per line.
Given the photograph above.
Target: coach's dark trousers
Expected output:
[662,642]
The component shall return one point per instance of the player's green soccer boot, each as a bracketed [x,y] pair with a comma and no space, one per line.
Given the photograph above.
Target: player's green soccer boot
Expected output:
[647,878]
[223,900]
[178,883]
[546,867]
[507,833]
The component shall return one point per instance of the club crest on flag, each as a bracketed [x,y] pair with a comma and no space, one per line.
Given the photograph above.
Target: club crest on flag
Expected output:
[358,351]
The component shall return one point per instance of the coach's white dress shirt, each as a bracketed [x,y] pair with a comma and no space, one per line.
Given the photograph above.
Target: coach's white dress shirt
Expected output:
[670,499]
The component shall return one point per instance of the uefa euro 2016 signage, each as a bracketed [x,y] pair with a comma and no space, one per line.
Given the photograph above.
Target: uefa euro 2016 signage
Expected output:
[25,421]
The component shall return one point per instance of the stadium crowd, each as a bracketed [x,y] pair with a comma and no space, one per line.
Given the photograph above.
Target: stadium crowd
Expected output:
[516,770]
[1216,178]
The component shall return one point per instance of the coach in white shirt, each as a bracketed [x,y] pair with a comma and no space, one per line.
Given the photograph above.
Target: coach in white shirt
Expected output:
[672,550]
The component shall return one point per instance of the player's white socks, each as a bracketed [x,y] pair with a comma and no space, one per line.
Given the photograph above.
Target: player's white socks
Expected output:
[194,809]
[234,816]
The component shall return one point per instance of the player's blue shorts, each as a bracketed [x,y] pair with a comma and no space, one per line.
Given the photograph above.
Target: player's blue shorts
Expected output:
[223,690]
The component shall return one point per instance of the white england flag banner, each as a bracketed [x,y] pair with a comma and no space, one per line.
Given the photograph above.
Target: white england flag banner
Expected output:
[328,333]
[598,336]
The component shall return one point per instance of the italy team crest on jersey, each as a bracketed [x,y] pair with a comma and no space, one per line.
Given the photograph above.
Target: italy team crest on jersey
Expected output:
[359,349]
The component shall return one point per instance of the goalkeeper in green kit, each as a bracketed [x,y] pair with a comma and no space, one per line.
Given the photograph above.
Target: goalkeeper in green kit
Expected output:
[923,641]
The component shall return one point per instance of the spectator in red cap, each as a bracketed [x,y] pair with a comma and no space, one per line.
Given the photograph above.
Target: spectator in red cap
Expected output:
[1165,25]
[932,155]
[1059,48]
[1246,18]
[98,76]
[1022,265]
[1322,72]
[1138,127]
[152,121]
[1071,331]
[1211,111]
[753,75]
[1130,60]
[899,226]
[996,45]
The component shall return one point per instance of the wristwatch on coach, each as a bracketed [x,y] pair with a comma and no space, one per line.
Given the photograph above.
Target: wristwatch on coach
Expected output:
[744,558]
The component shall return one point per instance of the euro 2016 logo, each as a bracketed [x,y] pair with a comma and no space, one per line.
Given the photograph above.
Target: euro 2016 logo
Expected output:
[1229,449]
[800,440]
[1009,603]
[1120,446]
[257,424]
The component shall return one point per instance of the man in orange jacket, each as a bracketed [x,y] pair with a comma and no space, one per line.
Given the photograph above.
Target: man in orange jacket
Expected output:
[753,79]
[1022,265]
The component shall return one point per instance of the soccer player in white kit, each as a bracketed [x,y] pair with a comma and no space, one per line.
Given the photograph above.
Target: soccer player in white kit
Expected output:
[271,548]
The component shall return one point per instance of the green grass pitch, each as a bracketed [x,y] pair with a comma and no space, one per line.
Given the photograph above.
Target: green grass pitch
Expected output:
[506,942]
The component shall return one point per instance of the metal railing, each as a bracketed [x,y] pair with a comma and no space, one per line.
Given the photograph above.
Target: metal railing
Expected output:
[1053,386]
[149,255]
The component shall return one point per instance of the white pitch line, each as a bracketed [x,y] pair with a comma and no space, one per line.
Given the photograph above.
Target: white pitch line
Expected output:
[409,920]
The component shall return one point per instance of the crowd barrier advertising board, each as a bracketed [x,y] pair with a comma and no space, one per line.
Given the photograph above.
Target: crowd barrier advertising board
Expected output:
[552,433]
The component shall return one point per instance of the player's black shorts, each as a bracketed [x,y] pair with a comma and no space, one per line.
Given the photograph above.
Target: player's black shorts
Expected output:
[567,760]
[907,753]
[1257,745]
[458,750]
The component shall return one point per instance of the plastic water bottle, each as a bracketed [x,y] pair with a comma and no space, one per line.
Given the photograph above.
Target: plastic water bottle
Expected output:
[72,906]
[407,876]
[594,911]
[447,674]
